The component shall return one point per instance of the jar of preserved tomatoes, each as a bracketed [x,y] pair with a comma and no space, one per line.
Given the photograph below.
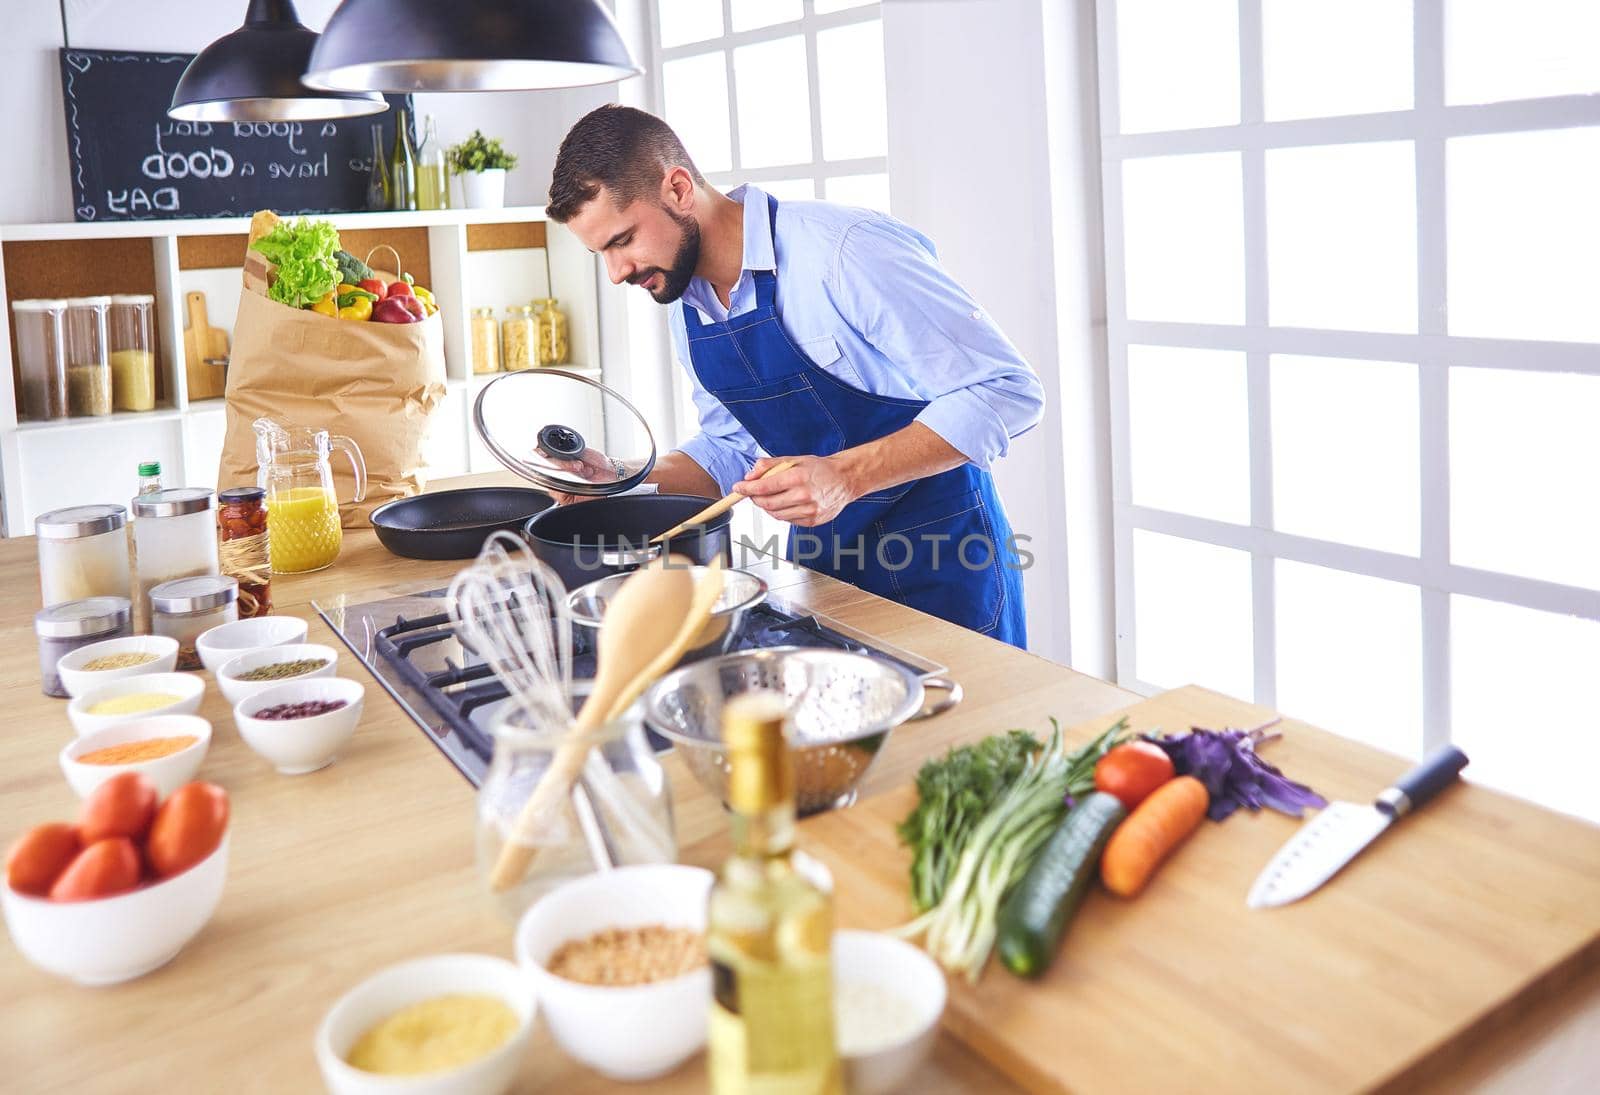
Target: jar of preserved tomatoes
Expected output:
[244,548]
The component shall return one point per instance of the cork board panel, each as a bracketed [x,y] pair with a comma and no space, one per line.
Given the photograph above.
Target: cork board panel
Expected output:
[82,268]
[213,252]
[505,237]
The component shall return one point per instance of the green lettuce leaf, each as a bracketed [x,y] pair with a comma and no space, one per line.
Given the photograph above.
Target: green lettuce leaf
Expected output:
[303,253]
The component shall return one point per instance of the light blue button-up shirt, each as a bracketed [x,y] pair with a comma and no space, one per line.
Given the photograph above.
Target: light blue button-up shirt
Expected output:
[865,298]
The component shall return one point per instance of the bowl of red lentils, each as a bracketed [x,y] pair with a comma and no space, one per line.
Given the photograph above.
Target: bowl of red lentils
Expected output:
[301,725]
[113,659]
[259,670]
[166,749]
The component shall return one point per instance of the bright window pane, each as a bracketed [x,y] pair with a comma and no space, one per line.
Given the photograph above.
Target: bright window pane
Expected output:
[750,14]
[1177,64]
[1326,484]
[827,7]
[867,191]
[1524,233]
[1522,701]
[1524,452]
[1189,431]
[1312,49]
[789,189]
[1183,238]
[1520,49]
[774,105]
[1342,237]
[696,93]
[685,21]
[1350,655]
[1191,614]
[850,74]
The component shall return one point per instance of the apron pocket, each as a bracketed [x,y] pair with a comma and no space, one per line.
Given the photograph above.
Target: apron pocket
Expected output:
[786,416]
[941,558]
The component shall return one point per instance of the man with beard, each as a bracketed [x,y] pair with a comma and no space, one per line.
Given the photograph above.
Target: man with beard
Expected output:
[825,335]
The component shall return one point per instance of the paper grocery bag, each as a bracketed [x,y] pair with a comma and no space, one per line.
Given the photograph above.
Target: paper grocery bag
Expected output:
[378,383]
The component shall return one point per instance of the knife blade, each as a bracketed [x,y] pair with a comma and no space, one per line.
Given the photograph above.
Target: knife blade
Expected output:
[1344,829]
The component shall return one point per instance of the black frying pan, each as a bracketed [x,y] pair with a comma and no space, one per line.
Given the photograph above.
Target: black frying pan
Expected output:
[453,524]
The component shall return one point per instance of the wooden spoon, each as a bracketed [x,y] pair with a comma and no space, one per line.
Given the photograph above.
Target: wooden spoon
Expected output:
[642,620]
[719,507]
[706,592]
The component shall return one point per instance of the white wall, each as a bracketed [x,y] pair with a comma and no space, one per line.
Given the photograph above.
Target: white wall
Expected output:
[32,130]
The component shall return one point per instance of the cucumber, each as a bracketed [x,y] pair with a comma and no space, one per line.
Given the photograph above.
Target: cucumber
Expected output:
[1035,915]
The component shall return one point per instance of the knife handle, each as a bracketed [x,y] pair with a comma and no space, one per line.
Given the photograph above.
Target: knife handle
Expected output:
[1427,779]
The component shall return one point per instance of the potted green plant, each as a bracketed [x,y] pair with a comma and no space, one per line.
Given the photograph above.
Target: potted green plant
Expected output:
[482,163]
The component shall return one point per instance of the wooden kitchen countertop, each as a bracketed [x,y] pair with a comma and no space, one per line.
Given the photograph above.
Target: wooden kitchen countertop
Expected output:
[336,874]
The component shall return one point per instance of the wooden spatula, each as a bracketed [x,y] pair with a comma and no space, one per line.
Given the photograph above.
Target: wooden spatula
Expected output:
[717,508]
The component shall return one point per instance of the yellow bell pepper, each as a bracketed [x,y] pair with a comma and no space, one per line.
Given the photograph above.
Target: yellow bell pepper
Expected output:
[426,297]
[360,309]
[326,306]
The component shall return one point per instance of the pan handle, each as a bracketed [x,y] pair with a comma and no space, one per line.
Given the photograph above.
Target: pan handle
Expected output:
[953,694]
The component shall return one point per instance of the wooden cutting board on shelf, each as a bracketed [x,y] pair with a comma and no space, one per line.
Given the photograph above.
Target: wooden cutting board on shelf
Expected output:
[203,343]
[1472,909]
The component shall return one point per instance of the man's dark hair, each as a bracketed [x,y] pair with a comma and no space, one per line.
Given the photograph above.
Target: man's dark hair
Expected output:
[625,150]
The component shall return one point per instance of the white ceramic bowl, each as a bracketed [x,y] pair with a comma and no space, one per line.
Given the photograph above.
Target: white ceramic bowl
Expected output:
[187,687]
[297,746]
[389,990]
[78,680]
[635,1032]
[117,938]
[892,966]
[235,689]
[225,642]
[168,773]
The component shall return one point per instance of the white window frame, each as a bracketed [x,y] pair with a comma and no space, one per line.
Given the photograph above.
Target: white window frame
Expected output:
[1428,125]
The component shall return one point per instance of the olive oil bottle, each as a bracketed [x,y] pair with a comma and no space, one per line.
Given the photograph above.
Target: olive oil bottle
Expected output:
[770,927]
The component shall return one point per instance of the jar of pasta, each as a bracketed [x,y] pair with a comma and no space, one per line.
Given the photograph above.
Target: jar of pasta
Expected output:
[551,323]
[243,547]
[485,341]
[517,339]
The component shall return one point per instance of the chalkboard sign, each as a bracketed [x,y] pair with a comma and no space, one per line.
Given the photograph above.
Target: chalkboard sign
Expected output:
[129,161]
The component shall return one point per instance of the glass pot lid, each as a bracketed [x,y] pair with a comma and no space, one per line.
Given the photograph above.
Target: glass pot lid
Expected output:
[564,432]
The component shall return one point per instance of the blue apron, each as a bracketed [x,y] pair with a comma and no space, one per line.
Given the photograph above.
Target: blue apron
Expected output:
[940,544]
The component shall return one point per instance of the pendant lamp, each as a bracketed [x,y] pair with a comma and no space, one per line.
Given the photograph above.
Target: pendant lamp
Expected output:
[468,45]
[253,75]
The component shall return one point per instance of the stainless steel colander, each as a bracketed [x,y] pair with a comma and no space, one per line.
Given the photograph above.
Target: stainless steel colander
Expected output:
[841,709]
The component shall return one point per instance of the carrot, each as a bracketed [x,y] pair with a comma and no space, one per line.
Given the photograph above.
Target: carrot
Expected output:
[1159,824]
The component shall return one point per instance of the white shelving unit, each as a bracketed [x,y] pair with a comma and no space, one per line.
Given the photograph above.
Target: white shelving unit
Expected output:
[72,461]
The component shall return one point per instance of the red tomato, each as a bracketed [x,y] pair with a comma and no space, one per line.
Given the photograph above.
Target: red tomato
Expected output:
[39,856]
[188,828]
[399,288]
[373,285]
[121,806]
[103,869]
[1131,771]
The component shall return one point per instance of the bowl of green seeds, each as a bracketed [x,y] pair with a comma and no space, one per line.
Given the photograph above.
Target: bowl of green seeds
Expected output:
[244,676]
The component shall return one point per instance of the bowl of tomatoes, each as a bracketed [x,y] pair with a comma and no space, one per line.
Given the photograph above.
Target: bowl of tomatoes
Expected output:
[122,890]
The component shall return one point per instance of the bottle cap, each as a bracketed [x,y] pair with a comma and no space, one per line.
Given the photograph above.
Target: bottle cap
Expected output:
[149,468]
[761,773]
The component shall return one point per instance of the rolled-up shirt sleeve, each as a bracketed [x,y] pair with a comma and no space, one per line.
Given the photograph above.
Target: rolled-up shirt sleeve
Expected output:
[887,283]
[722,446]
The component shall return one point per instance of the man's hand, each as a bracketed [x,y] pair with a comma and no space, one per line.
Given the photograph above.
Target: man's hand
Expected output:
[810,493]
[592,465]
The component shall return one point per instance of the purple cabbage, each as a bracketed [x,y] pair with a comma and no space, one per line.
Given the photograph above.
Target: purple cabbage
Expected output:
[1233,772]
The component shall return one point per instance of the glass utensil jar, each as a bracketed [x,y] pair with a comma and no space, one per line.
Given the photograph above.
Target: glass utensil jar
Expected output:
[133,359]
[188,607]
[302,508]
[174,536]
[551,323]
[83,552]
[88,356]
[620,811]
[65,627]
[41,357]
[485,341]
[243,548]
[517,338]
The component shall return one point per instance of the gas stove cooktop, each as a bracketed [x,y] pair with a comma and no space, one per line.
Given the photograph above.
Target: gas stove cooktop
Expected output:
[409,644]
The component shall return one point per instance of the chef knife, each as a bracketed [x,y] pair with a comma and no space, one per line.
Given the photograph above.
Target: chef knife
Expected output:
[1339,833]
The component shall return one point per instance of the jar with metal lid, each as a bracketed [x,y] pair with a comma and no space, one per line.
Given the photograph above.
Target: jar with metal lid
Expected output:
[186,608]
[88,356]
[243,547]
[133,359]
[40,327]
[517,339]
[175,536]
[485,342]
[63,628]
[83,552]
[551,323]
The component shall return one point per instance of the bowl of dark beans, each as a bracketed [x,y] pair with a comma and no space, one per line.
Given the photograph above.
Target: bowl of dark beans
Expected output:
[302,724]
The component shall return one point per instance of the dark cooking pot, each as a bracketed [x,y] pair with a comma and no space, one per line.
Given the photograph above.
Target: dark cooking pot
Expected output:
[588,540]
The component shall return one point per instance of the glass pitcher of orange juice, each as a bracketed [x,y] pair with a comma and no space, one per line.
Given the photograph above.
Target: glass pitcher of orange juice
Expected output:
[302,509]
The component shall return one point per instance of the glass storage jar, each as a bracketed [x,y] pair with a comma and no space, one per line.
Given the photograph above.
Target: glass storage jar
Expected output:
[63,628]
[41,357]
[485,342]
[186,608]
[175,536]
[83,552]
[88,356]
[243,548]
[517,338]
[618,813]
[551,323]
[133,359]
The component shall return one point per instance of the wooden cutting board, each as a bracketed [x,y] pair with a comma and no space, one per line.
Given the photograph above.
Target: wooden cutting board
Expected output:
[203,343]
[1468,911]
